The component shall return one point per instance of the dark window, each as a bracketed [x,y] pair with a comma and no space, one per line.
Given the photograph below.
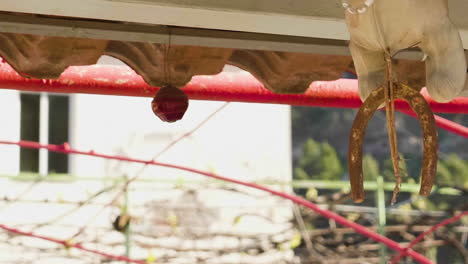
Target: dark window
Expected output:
[29,158]
[58,131]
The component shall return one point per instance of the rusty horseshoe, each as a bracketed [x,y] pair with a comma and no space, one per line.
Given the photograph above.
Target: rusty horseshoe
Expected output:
[358,131]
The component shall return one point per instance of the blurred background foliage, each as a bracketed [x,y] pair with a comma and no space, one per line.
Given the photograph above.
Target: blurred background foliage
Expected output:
[320,146]
[320,149]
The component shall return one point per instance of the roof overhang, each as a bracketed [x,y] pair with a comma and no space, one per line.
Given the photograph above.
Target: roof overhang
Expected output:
[302,18]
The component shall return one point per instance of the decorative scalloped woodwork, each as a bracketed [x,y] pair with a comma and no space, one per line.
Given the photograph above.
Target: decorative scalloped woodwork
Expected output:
[47,57]
[182,62]
[283,72]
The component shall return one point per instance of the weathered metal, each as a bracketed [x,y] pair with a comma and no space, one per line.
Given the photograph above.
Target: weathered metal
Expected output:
[430,138]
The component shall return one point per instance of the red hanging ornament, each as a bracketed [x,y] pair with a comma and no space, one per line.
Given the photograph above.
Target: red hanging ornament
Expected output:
[170,103]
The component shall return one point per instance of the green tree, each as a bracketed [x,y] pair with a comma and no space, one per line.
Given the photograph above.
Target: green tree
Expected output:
[319,161]
[458,169]
[370,168]
[443,176]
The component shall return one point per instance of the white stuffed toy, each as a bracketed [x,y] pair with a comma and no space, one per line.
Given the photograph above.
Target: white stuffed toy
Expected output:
[378,26]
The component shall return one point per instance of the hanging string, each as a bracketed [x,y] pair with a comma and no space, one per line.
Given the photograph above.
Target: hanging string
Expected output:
[167,52]
[170,103]
[391,125]
[389,105]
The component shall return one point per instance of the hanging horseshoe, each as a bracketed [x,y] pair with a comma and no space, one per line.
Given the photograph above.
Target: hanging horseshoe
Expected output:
[430,138]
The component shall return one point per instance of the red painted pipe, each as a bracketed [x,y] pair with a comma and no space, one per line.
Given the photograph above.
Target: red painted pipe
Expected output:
[233,87]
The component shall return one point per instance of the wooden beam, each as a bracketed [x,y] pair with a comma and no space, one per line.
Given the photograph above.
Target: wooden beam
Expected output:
[61,27]
[303,18]
[76,28]
[261,16]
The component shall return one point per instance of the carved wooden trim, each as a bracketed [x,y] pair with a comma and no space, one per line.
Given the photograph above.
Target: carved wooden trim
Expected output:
[182,62]
[284,72]
[45,57]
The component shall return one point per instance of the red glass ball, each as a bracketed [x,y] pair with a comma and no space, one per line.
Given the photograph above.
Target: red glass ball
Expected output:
[170,104]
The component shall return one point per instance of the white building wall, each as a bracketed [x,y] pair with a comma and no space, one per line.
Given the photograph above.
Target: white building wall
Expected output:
[10,116]
[245,141]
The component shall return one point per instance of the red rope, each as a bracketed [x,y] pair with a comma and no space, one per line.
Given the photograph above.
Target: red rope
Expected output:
[428,232]
[67,244]
[445,124]
[65,148]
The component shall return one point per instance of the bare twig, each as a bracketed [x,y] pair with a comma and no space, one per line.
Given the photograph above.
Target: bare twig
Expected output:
[305,235]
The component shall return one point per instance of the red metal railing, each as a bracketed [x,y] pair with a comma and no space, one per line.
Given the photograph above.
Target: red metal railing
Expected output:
[230,87]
